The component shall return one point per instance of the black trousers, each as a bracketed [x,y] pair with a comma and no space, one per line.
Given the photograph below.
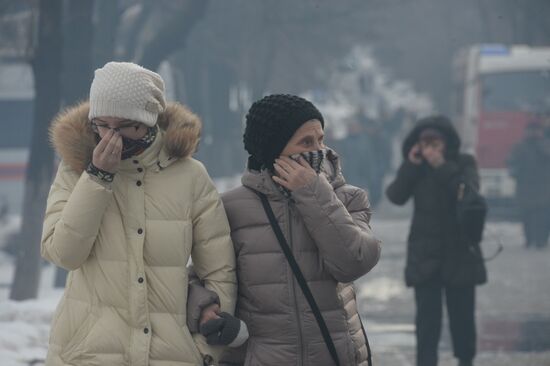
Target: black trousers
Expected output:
[536,226]
[429,311]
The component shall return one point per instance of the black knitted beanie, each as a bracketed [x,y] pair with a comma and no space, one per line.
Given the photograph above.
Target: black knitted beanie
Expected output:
[271,122]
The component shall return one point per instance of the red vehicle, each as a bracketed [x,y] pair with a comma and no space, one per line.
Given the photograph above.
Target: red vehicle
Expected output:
[498,90]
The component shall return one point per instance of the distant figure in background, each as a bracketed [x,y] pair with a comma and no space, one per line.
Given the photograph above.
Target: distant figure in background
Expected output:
[437,261]
[529,164]
[366,155]
[392,121]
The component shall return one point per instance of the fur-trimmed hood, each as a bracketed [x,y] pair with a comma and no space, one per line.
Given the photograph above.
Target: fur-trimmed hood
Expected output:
[74,141]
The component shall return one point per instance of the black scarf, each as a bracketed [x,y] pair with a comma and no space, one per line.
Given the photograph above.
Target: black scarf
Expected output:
[131,147]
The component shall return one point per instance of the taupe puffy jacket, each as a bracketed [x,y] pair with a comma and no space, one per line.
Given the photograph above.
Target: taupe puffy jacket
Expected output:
[327,226]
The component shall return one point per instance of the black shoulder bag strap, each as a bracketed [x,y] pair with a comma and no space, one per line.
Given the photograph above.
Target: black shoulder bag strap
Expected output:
[299,277]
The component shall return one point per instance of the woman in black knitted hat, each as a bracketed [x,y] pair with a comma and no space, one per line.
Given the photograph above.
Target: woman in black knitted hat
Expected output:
[324,222]
[270,124]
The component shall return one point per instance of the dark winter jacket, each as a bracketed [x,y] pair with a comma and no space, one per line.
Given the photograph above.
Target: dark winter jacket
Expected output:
[434,247]
[529,164]
[326,223]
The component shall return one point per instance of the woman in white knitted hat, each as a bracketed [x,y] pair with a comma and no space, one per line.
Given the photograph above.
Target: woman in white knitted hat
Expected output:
[127,209]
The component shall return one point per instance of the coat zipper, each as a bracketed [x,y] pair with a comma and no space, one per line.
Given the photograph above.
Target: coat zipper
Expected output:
[296,308]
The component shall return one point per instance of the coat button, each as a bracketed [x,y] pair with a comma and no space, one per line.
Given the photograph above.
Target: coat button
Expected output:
[146,330]
[136,162]
[138,183]
[140,231]
[140,169]
[140,280]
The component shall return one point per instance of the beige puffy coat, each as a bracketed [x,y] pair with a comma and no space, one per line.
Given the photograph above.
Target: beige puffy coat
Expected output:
[127,245]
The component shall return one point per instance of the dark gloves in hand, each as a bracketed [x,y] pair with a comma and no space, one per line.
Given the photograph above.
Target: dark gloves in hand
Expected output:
[225,331]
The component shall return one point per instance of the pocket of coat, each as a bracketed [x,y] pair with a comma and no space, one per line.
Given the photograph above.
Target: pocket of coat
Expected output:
[72,348]
[189,340]
[318,354]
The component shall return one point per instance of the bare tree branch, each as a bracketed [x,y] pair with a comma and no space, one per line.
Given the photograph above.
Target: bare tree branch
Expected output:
[173,34]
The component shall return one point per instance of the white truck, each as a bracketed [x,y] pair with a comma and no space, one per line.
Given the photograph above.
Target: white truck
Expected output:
[497,91]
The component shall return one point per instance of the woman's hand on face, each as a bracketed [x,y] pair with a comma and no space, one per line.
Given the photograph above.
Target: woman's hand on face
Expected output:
[108,152]
[434,155]
[293,175]
[415,155]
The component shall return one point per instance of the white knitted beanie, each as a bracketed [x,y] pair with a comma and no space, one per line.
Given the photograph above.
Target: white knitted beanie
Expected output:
[127,90]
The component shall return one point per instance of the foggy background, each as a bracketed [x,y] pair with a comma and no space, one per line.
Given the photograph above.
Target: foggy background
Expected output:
[369,65]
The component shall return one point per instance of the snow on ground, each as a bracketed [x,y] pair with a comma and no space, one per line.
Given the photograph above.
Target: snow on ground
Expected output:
[25,325]
[513,310]
[24,329]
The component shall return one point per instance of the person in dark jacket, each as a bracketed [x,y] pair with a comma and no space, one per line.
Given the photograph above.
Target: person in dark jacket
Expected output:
[438,262]
[529,164]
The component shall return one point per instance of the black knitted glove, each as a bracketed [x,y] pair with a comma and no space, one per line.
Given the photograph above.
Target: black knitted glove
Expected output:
[225,331]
